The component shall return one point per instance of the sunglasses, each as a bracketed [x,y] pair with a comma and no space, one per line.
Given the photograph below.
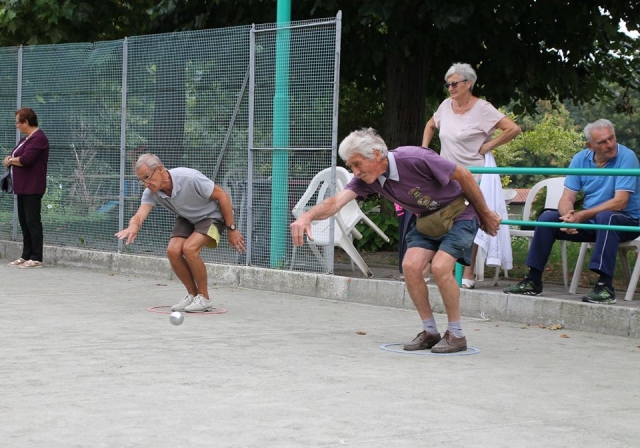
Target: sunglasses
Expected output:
[454,84]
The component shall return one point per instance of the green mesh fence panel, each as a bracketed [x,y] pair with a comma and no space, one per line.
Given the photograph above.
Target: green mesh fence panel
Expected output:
[186,105]
[310,139]
[8,101]
[187,99]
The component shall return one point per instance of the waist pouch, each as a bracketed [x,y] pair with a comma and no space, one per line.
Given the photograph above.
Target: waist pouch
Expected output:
[438,223]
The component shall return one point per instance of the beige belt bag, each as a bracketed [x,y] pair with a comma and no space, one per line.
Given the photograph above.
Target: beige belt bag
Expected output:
[438,223]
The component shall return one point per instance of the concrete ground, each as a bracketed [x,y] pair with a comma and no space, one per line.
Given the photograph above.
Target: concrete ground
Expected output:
[86,361]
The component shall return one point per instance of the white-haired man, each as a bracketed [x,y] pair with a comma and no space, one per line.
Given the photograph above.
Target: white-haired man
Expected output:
[610,200]
[444,194]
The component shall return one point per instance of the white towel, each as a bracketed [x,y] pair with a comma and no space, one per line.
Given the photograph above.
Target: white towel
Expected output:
[496,250]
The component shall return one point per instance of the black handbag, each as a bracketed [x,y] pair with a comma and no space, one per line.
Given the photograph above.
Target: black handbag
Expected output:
[6,182]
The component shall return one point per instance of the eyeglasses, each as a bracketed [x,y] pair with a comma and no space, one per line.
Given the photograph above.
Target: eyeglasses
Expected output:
[147,178]
[454,84]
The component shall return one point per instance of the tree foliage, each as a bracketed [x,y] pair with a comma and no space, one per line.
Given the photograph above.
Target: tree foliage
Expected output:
[524,50]
[623,109]
[31,22]
[549,140]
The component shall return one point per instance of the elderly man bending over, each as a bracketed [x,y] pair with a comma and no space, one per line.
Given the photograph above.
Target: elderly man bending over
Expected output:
[449,203]
[202,210]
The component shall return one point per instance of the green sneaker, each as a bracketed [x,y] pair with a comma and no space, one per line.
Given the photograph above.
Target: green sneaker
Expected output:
[526,287]
[601,294]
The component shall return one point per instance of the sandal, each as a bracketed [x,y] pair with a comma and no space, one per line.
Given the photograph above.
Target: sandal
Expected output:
[17,262]
[30,264]
[467,283]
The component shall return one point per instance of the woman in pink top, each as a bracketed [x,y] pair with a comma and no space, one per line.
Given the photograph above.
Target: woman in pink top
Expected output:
[466,125]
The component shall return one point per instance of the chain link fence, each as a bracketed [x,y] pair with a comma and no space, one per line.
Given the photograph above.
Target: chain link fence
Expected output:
[254,108]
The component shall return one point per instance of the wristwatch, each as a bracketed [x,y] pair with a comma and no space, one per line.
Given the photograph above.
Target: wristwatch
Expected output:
[232,227]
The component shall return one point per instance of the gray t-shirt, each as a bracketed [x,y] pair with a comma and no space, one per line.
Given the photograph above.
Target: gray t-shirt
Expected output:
[190,198]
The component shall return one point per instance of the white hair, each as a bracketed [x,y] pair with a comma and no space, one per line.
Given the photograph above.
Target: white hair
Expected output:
[464,70]
[602,123]
[151,160]
[363,142]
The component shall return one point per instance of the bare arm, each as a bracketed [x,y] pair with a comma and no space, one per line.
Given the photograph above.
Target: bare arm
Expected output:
[489,220]
[567,201]
[135,223]
[234,236]
[568,214]
[509,131]
[323,210]
[429,131]
[224,200]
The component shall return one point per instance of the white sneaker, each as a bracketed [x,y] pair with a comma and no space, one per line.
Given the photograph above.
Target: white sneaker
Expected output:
[186,301]
[199,304]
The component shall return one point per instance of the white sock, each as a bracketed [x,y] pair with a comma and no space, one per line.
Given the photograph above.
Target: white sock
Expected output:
[430,326]
[455,329]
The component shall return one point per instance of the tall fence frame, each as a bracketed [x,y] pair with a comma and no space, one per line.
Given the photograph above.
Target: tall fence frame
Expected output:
[225,102]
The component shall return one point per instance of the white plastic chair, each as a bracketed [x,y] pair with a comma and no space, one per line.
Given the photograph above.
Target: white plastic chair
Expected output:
[554,187]
[345,220]
[630,277]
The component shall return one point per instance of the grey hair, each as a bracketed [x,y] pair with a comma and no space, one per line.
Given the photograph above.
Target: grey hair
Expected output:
[363,142]
[151,160]
[602,123]
[464,70]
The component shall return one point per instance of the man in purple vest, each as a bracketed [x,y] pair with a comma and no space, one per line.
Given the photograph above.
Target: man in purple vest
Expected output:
[421,182]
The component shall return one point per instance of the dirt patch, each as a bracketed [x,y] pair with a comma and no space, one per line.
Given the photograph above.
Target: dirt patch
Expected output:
[382,258]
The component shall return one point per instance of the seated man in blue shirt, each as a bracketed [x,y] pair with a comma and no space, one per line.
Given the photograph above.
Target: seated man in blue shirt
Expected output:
[611,200]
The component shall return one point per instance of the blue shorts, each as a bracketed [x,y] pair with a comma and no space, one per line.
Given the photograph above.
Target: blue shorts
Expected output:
[457,242]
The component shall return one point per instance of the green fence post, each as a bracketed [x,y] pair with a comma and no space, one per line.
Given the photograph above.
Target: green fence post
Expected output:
[280,169]
[459,270]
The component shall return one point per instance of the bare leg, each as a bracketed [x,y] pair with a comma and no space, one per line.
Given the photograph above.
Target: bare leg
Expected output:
[442,270]
[179,264]
[191,252]
[414,263]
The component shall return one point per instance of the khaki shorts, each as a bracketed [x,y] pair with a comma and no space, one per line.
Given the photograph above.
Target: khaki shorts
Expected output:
[183,228]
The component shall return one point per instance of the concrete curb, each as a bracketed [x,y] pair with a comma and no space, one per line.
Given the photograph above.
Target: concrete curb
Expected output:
[613,320]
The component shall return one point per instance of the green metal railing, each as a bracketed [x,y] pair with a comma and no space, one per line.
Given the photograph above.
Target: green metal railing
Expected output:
[554,172]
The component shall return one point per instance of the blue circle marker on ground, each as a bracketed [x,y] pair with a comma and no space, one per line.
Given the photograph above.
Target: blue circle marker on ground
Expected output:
[391,348]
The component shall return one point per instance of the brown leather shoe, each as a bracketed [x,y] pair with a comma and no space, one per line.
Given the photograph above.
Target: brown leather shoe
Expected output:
[450,344]
[422,341]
